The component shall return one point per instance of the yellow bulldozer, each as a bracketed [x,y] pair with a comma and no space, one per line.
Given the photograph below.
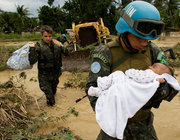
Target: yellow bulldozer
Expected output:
[89,32]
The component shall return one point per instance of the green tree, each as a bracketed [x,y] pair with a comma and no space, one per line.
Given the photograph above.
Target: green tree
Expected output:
[22,15]
[52,16]
[172,10]
[78,10]
[30,23]
[125,2]
[159,3]
[169,12]
[7,20]
[50,2]
[150,1]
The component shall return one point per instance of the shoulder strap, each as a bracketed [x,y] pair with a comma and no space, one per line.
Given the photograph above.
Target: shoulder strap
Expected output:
[121,60]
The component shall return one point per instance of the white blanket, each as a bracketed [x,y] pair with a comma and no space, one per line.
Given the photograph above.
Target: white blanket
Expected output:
[121,96]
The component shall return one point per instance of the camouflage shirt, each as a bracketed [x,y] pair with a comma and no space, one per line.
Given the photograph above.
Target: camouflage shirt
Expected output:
[49,57]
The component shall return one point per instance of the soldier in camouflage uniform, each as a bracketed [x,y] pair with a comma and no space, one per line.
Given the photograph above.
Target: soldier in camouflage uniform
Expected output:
[139,22]
[48,53]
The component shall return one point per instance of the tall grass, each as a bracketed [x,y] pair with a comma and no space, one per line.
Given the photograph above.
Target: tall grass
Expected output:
[30,36]
[18,36]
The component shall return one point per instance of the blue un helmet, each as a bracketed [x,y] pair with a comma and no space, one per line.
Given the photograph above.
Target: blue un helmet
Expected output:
[141,19]
[63,35]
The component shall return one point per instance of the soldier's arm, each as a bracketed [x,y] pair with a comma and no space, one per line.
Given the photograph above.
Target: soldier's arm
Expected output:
[64,50]
[100,66]
[165,91]
[33,53]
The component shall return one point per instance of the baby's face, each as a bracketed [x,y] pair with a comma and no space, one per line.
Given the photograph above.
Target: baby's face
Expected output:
[157,68]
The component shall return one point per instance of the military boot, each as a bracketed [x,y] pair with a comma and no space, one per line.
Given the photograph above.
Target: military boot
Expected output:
[50,100]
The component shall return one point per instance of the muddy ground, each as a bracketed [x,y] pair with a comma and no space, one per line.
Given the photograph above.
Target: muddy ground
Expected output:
[167,116]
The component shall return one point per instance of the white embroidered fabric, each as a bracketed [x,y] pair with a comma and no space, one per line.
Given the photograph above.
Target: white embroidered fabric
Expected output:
[141,76]
[103,83]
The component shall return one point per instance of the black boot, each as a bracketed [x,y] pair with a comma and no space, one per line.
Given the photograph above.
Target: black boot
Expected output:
[50,101]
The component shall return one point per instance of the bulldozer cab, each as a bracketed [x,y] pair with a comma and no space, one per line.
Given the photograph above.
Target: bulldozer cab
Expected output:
[89,32]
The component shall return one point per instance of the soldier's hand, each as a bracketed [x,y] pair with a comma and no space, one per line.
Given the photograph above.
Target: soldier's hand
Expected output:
[160,80]
[31,44]
[57,42]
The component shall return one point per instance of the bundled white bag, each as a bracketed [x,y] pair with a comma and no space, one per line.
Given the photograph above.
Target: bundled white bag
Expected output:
[20,59]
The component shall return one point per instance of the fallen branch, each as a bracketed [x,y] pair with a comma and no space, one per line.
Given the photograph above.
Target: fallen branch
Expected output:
[19,113]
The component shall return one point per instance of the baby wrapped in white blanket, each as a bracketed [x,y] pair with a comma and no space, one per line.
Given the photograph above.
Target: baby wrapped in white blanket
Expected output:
[121,95]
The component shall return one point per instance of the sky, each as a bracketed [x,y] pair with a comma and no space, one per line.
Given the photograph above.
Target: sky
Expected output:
[32,5]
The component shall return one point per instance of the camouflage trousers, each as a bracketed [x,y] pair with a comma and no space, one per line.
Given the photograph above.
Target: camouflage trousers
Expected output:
[142,130]
[48,85]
